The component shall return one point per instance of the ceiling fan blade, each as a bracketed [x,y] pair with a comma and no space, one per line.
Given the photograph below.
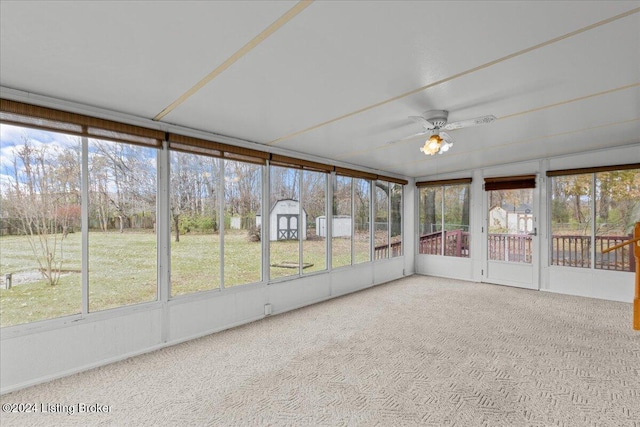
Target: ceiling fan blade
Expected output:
[424,122]
[468,123]
[446,137]
[410,137]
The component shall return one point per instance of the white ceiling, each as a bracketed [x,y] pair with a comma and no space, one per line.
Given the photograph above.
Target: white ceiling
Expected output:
[339,79]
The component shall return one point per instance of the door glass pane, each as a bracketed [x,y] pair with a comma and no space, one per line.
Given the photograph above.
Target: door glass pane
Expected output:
[510,222]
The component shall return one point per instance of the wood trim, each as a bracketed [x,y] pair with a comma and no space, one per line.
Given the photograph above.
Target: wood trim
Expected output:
[292,162]
[579,171]
[392,179]
[190,144]
[21,114]
[444,182]
[510,182]
[355,173]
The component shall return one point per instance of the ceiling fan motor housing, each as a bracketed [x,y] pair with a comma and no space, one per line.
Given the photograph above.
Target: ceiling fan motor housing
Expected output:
[437,118]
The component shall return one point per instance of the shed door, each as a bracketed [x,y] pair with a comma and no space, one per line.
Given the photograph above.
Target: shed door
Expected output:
[287,226]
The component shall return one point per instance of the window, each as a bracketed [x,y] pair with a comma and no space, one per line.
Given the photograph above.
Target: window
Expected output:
[362,215]
[122,219]
[381,229]
[444,217]
[40,234]
[395,220]
[571,208]
[592,211]
[42,241]
[194,205]
[242,233]
[284,219]
[298,206]
[342,229]
[314,206]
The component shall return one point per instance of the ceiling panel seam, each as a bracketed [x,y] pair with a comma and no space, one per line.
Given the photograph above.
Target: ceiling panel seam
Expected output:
[461,74]
[509,116]
[275,26]
[528,140]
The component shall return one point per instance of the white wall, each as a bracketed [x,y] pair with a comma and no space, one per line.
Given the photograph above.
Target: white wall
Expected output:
[617,286]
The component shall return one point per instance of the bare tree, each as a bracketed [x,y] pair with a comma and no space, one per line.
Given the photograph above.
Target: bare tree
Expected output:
[42,193]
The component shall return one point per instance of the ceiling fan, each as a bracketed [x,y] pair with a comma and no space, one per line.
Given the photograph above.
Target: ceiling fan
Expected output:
[434,123]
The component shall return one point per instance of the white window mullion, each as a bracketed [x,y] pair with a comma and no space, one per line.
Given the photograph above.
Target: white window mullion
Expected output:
[85,225]
[221,224]
[301,219]
[163,223]
[353,221]
[592,249]
[265,222]
[388,219]
[372,219]
[330,183]
[442,226]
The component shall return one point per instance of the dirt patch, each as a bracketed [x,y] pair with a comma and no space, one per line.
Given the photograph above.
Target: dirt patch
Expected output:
[31,276]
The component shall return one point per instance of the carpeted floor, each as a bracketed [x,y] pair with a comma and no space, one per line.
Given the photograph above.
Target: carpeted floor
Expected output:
[417,351]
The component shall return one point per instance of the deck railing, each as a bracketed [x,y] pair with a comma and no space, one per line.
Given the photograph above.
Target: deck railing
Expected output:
[573,251]
[382,251]
[456,243]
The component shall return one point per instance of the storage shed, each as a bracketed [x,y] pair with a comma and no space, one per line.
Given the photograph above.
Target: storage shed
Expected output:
[341,226]
[283,220]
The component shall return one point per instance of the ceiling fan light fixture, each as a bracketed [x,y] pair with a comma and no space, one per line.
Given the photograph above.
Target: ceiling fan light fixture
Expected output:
[432,145]
[445,147]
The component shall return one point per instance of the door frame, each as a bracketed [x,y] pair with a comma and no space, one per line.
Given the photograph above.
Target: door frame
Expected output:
[511,273]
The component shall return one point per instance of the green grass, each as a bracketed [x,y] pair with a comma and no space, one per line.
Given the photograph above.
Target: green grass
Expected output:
[122,269]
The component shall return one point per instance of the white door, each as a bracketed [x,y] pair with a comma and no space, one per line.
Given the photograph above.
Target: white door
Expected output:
[511,238]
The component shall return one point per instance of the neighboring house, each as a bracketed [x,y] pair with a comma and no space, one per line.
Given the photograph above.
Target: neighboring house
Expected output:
[511,219]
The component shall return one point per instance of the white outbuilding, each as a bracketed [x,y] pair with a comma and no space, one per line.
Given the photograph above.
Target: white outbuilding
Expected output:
[284,219]
[341,226]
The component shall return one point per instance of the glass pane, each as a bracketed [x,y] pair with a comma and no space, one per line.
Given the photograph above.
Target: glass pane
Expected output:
[381,230]
[342,224]
[510,222]
[362,237]
[194,207]
[571,198]
[242,204]
[314,199]
[283,222]
[617,211]
[40,236]
[122,220]
[456,220]
[430,221]
[395,223]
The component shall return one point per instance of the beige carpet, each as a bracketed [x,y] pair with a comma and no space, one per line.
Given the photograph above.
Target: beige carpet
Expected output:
[417,351]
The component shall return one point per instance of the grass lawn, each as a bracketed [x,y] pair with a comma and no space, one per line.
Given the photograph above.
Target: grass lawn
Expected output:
[123,269]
